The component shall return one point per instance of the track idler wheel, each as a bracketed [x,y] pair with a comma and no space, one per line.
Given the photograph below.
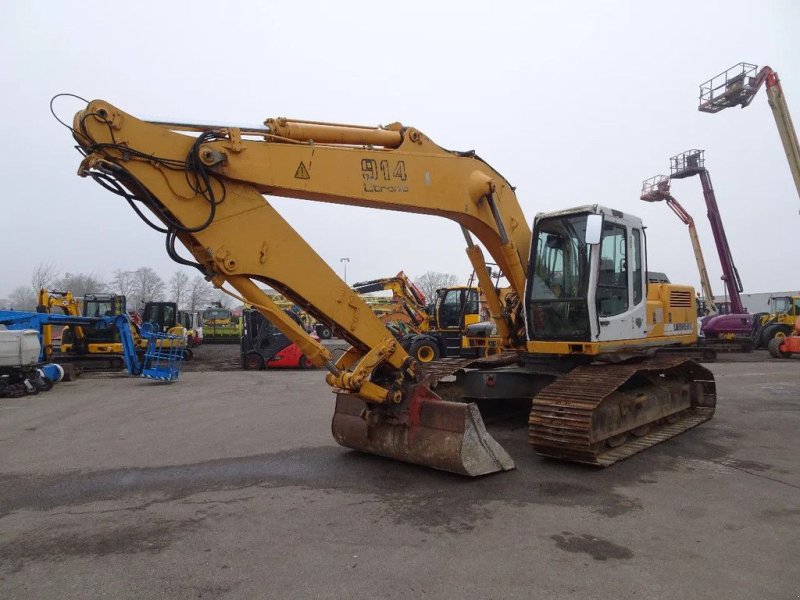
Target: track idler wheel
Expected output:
[426,430]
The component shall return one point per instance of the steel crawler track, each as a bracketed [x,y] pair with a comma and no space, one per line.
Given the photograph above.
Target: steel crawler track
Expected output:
[582,416]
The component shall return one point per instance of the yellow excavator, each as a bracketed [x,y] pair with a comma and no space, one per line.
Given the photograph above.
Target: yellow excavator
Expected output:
[436,329]
[589,335]
[102,348]
[408,304]
[92,349]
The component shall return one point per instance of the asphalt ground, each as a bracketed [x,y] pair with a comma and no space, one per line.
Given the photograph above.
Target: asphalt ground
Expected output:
[229,485]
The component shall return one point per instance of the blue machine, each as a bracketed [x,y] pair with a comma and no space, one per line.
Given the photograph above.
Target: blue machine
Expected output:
[162,358]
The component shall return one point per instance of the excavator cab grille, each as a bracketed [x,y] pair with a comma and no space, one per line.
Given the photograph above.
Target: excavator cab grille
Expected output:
[680,299]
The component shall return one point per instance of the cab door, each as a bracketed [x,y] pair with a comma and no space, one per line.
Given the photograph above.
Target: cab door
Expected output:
[620,299]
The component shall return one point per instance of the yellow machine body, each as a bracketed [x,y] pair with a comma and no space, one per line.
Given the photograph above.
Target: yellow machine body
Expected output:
[207,185]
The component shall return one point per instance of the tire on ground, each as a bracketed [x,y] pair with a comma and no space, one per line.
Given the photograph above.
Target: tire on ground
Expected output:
[424,350]
[41,381]
[774,348]
[252,361]
[777,330]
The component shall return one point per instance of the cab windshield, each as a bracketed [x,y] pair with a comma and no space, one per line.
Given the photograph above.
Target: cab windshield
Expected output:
[785,305]
[557,288]
[97,308]
[216,313]
[163,314]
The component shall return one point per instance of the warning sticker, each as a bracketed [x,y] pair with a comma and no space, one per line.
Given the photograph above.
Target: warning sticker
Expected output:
[301,172]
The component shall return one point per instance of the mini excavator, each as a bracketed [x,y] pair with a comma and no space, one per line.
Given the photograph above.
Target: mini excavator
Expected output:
[589,336]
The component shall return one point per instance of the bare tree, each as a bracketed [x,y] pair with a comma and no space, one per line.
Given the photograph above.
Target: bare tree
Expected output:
[147,285]
[22,298]
[81,284]
[43,276]
[222,298]
[178,288]
[198,293]
[122,282]
[432,281]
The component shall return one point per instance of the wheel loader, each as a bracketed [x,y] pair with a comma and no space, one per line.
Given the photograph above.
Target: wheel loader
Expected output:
[589,338]
[785,346]
[779,323]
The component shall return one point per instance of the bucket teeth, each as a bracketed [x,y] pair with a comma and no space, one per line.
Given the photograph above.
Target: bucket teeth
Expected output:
[449,436]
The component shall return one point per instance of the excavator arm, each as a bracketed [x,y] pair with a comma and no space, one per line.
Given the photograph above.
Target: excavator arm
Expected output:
[206,186]
[46,301]
[404,292]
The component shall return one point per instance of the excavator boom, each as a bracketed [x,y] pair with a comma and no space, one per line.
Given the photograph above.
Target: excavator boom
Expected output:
[207,190]
[404,292]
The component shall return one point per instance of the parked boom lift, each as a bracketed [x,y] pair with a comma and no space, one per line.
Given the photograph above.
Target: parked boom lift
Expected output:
[736,327]
[738,86]
[657,189]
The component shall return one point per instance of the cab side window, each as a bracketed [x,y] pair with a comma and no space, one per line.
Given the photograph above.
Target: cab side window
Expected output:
[471,302]
[612,286]
[637,266]
[450,310]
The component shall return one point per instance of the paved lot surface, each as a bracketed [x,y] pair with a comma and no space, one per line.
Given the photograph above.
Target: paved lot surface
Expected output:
[228,485]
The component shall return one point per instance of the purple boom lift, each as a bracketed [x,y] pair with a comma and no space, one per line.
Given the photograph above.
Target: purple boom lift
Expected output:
[738,324]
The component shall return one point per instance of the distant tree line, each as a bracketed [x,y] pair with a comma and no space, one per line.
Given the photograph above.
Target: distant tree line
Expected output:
[138,286]
[145,285]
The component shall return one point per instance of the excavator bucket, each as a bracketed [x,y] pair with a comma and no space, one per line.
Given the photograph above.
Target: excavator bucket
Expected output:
[449,436]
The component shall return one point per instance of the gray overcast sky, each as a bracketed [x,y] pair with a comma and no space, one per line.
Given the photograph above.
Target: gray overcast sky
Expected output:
[574,102]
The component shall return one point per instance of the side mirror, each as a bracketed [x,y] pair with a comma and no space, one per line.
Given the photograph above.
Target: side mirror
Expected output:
[594,229]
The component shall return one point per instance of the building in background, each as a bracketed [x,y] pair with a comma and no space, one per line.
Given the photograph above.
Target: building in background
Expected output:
[756,303]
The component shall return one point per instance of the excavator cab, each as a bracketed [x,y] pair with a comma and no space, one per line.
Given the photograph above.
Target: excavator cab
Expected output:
[456,308]
[585,285]
[103,305]
[163,313]
[167,318]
